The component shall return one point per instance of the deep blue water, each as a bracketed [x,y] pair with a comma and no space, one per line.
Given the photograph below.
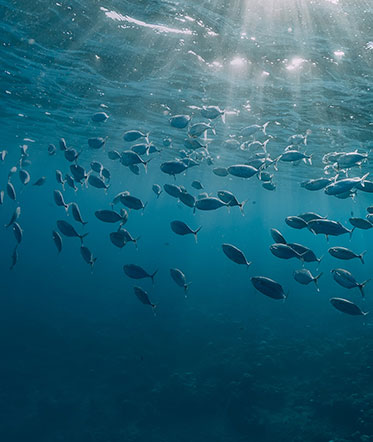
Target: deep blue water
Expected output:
[81,358]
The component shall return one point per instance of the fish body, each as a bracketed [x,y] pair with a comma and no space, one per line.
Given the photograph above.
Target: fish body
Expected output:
[173,167]
[346,254]
[296,222]
[304,276]
[57,240]
[209,203]
[136,272]
[143,296]
[178,276]
[235,254]
[346,279]
[180,228]
[346,306]
[68,230]
[110,216]
[277,236]
[242,171]
[268,287]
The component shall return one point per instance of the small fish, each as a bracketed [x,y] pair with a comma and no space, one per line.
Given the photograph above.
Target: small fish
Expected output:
[15,216]
[24,176]
[242,171]
[110,216]
[96,143]
[78,172]
[172,190]
[59,200]
[143,296]
[57,240]
[229,199]
[99,117]
[220,171]
[180,121]
[136,272]
[52,149]
[268,287]
[173,167]
[106,173]
[70,182]
[128,237]
[18,232]
[198,129]
[306,253]
[113,155]
[346,279]
[304,276]
[178,276]
[134,168]
[68,230]
[235,254]
[118,238]
[346,306]
[295,222]
[180,228]
[284,251]
[344,253]
[96,166]
[40,181]
[133,135]
[197,185]
[59,179]
[157,189]
[209,203]
[361,223]
[132,202]
[76,214]
[87,256]
[129,158]
[187,199]
[97,182]
[62,144]
[277,236]
[11,191]
[71,154]
[14,258]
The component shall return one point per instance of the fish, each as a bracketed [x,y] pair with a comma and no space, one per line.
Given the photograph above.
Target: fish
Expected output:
[284,251]
[96,166]
[172,190]
[304,276]
[52,149]
[346,279]
[209,203]
[277,236]
[198,129]
[344,185]
[346,306]
[70,182]
[96,143]
[128,237]
[110,216]
[97,182]
[133,135]
[76,214]
[187,199]
[173,167]
[14,257]
[132,202]
[57,240]
[157,189]
[143,296]
[178,276]
[242,171]
[24,176]
[99,117]
[212,112]
[307,254]
[180,228]
[180,121]
[316,184]
[269,186]
[327,227]
[344,253]
[59,200]
[296,222]
[130,158]
[268,287]
[18,232]
[229,199]
[253,129]
[113,155]
[59,179]
[11,191]
[220,171]
[78,172]
[71,154]
[361,223]
[309,216]
[197,185]
[87,256]
[62,144]
[235,254]
[15,216]
[40,181]
[136,272]
[292,156]
[134,168]
[68,230]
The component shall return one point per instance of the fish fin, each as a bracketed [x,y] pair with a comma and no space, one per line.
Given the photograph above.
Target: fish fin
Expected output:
[195,234]
[361,287]
[242,205]
[361,256]
[264,128]
[82,237]
[363,178]
[351,232]
[152,276]
[316,281]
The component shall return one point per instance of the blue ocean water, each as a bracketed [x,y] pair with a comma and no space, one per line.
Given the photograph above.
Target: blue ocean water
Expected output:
[82,358]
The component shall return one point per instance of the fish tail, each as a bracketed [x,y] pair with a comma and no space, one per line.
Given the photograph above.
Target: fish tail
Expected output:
[351,232]
[361,256]
[152,276]
[363,178]
[195,234]
[82,237]
[241,206]
[135,241]
[264,128]
[316,280]
[186,286]
[361,287]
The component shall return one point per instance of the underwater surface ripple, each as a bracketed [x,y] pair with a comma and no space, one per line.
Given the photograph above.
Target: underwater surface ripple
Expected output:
[82,358]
